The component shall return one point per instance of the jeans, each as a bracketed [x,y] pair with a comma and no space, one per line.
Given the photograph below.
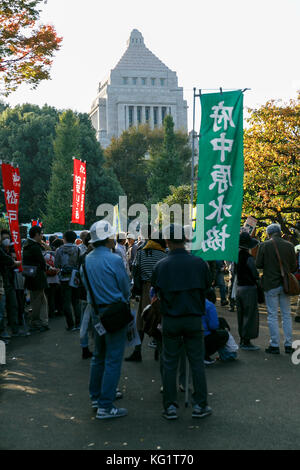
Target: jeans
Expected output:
[174,329]
[106,367]
[277,298]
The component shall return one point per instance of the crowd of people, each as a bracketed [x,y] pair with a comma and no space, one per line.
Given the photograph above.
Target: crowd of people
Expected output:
[91,281]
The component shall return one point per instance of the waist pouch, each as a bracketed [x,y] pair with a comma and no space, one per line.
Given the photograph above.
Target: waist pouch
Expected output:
[115,316]
[67,270]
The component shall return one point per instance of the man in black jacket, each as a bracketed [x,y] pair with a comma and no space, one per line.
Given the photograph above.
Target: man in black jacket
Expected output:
[33,256]
[181,281]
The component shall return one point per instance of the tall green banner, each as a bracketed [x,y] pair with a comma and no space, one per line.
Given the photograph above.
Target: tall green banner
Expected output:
[220,176]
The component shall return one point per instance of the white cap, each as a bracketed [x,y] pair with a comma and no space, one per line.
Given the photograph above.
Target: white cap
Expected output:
[101,230]
[131,236]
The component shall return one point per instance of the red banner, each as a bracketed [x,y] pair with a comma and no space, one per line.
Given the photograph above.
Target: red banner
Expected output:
[79,185]
[11,185]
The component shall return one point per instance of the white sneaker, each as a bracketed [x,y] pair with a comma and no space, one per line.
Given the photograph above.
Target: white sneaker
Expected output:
[209,362]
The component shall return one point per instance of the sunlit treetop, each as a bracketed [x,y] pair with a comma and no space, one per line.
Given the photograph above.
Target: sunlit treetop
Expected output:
[26,46]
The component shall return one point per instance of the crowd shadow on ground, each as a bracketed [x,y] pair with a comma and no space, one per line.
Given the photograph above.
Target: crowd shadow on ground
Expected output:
[44,402]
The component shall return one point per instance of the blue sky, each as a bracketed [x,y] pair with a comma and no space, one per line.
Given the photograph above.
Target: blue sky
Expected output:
[232,43]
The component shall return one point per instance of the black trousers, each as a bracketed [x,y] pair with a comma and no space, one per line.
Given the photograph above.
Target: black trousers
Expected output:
[20,294]
[11,307]
[215,341]
[51,295]
[175,330]
[70,304]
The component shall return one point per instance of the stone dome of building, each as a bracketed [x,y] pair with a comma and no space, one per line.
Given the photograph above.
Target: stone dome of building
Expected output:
[139,89]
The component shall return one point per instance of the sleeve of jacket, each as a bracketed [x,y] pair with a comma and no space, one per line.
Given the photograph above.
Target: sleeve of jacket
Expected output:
[6,260]
[40,258]
[122,278]
[252,267]
[292,260]
[212,317]
[260,257]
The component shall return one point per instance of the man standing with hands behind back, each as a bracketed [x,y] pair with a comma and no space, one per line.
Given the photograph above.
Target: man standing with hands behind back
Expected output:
[181,281]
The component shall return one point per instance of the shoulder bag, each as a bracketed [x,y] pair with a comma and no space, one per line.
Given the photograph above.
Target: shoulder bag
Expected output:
[29,271]
[290,282]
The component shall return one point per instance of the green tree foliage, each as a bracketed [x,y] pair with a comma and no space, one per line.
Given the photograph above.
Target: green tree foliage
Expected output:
[26,139]
[135,154]
[165,166]
[180,195]
[27,133]
[3,106]
[59,200]
[102,184]
[126,156]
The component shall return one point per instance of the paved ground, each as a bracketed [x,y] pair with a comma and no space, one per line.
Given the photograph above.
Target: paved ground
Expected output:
[44,401]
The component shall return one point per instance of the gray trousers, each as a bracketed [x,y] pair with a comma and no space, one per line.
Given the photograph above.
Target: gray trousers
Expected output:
[39,305]
[189,330]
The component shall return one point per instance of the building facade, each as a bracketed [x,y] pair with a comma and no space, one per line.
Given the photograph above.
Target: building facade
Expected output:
[140,89]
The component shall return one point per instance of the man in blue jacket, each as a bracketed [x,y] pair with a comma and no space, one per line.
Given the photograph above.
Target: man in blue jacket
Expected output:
[181,281]
[110,284]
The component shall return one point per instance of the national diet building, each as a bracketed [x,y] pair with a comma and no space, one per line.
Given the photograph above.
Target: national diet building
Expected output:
[140,89]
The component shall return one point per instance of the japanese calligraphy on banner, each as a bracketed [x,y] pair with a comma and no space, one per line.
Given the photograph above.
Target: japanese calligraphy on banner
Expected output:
[79,186]
[220,174]
[11,184]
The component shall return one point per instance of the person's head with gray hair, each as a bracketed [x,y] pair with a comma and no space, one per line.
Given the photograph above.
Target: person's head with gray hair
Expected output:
[273,229]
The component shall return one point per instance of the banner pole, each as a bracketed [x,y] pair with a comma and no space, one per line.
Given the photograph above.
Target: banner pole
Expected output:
[193,154]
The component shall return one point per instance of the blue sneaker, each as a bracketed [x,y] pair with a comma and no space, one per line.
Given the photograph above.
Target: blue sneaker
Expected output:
[249,347]
[95,405]
[170,412]
[199,412]
[4,335]
[102,413]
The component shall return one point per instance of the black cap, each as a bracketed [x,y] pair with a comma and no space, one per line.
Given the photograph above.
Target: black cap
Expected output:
[246,241]
[174,233]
